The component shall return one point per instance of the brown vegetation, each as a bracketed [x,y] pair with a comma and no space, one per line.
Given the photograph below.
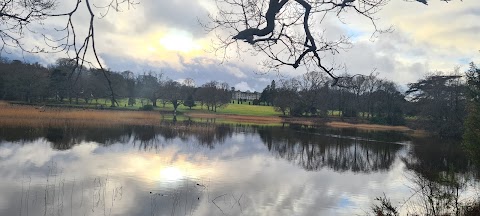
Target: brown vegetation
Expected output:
[301,120]
[368,126]
[18,115]
[238,118]
[21,115]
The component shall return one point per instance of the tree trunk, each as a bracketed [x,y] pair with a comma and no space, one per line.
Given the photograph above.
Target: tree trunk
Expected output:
[113,101]
[175,106]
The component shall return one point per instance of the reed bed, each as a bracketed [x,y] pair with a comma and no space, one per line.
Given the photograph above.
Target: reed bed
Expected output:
[238,118]
[19,115]
[375,127]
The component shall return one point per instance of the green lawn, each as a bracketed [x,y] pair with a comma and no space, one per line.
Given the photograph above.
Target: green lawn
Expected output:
[232,108]
[245,109]
[237,109]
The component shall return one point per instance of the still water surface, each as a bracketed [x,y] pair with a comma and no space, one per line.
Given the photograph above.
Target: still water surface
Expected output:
[209,169]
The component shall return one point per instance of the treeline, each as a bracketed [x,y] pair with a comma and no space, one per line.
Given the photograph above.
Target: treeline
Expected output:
[437,103]
[65,82]
[359,96]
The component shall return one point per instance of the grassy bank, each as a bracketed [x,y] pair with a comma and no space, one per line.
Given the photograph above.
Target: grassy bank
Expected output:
[275,120]
[236,109]
[83,114]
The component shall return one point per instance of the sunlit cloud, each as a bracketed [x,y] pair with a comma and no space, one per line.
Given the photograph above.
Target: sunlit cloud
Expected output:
[167,34]
[182,41]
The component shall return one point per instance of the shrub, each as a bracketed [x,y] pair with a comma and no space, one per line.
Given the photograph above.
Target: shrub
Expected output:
[147,107]
[350,113]
[131,101]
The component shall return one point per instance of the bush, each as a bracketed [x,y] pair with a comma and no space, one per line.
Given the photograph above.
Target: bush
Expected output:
[131,101]
[297,111]
[385,208]
[147,107]
[378,120]
[350,113]
[388,120]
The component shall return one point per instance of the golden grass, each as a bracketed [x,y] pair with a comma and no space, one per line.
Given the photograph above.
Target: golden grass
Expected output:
[18,115]
[305,121]
[368,126]
[238,118]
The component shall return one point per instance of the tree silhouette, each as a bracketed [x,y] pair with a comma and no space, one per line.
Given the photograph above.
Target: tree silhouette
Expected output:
[287,30]
[20,17]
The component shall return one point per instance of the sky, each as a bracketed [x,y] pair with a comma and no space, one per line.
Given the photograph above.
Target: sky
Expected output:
[166,37]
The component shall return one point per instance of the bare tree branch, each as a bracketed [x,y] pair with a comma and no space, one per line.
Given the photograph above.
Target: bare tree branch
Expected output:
[286,31]
[17,15]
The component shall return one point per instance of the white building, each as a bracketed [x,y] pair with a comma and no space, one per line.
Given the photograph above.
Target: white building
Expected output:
[239,95]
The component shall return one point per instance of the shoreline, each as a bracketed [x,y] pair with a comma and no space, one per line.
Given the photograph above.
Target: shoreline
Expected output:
[328,122]
[19,114]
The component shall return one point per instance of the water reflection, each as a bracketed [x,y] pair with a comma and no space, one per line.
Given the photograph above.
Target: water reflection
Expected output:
[313,150]
[146,137]
[185,168]
[441,178]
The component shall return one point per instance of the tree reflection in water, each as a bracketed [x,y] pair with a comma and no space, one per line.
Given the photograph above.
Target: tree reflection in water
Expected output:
[442,180]
[308,147]
[340,150]
[147,137]
[439,172]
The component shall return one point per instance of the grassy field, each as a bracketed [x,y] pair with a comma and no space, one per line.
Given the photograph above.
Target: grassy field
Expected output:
[233,109]
[230,109]
[245,109]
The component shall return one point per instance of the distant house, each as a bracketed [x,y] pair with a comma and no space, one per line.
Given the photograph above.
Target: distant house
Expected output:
[248,95]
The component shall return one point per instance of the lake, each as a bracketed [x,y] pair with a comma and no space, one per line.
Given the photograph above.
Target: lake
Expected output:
[187,168]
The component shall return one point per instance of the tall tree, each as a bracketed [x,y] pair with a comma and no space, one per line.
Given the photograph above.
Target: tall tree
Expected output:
[441,99]
[287,98]
[214,95]
[389,104]
[313,87]
[130,87]
[472,124]
[174,92]
[150,86]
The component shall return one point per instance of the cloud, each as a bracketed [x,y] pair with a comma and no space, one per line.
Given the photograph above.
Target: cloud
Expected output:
[201,70]
[166,36]
[182,14]
[235,71]
[243,167]
[243,86]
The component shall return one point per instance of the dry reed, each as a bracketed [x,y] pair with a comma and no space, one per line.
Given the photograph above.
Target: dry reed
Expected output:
[238,118]
[19,116]
[375,127]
